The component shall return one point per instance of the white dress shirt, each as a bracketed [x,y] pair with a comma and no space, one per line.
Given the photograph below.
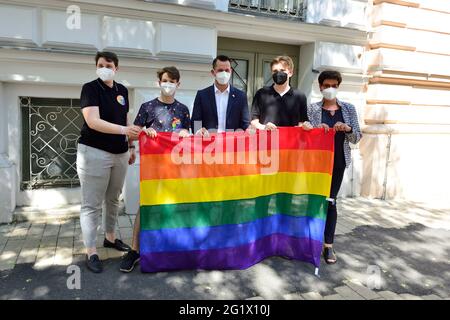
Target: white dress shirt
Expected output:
[222,104]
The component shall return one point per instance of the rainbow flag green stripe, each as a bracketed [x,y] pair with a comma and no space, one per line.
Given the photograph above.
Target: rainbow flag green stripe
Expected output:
[190,215]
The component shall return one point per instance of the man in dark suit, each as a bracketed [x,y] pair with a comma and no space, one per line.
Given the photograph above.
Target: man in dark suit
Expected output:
[220,107]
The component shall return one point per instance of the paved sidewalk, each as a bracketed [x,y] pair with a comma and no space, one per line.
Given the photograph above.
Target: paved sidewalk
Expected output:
[399,249]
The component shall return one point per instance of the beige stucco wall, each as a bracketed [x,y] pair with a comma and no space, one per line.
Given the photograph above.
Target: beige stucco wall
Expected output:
[407,131]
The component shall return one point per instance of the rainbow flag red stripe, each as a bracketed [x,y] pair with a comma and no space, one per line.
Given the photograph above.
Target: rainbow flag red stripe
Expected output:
[233,200]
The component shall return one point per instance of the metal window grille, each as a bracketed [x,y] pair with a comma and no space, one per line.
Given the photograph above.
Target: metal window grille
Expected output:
[50,131]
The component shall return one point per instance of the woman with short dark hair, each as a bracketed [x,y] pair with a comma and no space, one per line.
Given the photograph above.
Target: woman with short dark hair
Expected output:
[104,152]
[342,117]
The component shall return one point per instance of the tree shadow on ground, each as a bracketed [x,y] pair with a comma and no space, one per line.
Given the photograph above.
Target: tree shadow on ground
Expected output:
[414,259]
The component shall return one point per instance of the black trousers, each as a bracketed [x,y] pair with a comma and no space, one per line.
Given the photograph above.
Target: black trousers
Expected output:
[330,225]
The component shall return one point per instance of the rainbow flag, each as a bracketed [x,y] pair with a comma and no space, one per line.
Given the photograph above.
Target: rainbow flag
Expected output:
[234,199]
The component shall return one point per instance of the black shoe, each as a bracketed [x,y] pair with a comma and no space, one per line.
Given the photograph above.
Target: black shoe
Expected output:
[129,260]
[329,255]
[117,244]
[94,264]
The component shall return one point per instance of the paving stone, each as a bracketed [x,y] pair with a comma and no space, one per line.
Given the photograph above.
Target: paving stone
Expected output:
[78,243]
[51,230]
[65,242]
[5,228]
[344,229]
[431,297]
[3,237]
[312,296]
[348,293]
[33,237]
[14,245]
[346,224]
[389,295]
[31,244]
[6,265]
[102,253]
[18,233]
[113,254]
[78,235]
[363,291]
[37,228]
[27,255]
[293,296]
[2,245]
[255,298]
[79,250]
[66,232]
[63,256]
[49,241]
[45,257]
[8,258]
[334,297]
[24,224]
[407,296]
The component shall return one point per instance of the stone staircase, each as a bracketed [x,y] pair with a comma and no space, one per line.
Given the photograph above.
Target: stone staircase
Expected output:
[43,215]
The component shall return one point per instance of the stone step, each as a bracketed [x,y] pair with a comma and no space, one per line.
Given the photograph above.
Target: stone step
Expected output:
[43,215]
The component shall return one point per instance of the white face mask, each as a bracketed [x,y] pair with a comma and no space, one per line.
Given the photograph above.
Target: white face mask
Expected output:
[330,93]
[105,74]
[168,88]
[223,77]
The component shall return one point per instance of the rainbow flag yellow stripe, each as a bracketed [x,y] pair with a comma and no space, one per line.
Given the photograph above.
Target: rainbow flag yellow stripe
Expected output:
[172,191]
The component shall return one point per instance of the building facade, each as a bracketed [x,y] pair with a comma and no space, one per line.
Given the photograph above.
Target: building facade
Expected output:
[407,115]
[47,52]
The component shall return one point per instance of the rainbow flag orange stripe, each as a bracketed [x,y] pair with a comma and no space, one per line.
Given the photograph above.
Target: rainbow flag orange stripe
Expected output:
[233,200]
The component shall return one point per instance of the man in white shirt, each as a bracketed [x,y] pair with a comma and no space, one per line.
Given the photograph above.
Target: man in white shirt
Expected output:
[220,107]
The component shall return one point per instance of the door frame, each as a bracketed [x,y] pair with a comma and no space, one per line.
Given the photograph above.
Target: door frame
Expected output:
[250,57]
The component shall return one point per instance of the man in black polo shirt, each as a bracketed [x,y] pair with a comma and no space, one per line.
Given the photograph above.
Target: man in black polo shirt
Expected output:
[103,155]
[280,105]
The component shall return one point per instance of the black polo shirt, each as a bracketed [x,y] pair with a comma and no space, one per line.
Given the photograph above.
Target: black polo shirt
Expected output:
[113,107]
[283,111]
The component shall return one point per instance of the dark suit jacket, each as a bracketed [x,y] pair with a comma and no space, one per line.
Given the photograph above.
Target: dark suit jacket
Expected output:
[205,110]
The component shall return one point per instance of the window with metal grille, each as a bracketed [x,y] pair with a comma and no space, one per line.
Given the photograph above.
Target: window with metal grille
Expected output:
[50,131]
[285,9]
